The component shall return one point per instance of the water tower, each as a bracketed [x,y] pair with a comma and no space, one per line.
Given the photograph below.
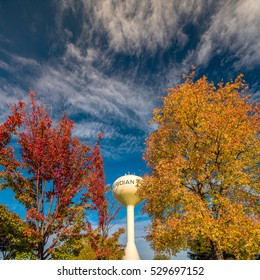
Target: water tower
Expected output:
[124,190]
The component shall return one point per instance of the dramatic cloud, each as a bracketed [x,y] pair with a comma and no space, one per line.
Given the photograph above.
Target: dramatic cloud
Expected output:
[135,26]
[86,81]
[233,29]
[88,90]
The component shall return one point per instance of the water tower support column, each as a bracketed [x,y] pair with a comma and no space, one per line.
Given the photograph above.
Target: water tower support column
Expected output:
[130,224]
[131,252]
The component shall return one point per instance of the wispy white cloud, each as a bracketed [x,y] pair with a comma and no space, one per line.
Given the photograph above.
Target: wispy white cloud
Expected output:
[77,81]
[88,90]
[5,66]
[233,28]
[14,63]
[115,144]
[73,85]
[25,61]
[135,26]
[9,94]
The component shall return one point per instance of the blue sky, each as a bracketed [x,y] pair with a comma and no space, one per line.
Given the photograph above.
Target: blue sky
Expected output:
[107,63]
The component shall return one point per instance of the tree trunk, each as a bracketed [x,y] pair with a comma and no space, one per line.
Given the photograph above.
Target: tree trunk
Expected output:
[40,251]
[217,254]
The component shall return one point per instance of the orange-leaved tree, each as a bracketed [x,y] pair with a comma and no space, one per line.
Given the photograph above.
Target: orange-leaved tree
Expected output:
[203,191]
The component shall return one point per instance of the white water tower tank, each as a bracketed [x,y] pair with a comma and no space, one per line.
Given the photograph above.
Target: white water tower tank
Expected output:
[124,190]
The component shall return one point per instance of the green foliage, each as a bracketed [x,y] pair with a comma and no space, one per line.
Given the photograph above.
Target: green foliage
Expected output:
[91,246]
[99,246]
[69,250]
[17,239]
[161,256]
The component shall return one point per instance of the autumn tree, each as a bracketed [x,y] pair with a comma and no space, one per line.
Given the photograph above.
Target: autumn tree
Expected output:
[52,171]
[8,161]
[17,238]
[103,246]
[203,191]
[57,180]
[95,242]
[161,256]
[14,232]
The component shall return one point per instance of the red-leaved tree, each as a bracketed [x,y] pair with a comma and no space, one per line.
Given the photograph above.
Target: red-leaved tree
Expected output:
[53,170]
[100,245]
[57,180]
[94,242]
[7,158]
[15,234]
